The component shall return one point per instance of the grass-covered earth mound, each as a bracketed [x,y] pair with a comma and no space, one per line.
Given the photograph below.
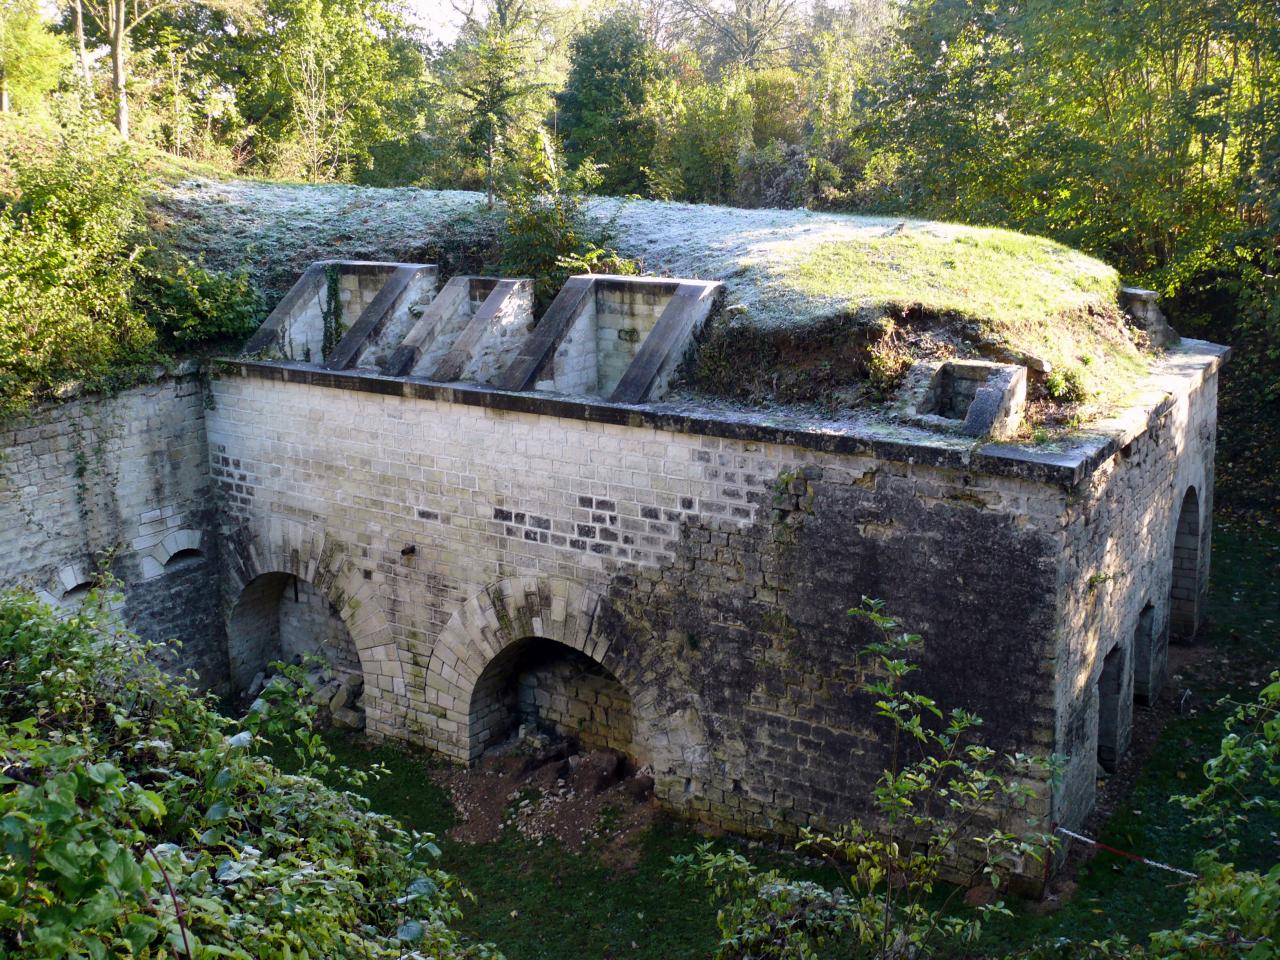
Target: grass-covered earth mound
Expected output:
[135,821]
[820,308]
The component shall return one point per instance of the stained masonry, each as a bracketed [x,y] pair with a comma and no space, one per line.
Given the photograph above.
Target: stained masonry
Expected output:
[654,576]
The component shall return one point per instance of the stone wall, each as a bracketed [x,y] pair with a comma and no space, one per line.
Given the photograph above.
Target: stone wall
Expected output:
[575,368]
[574,696]
[697,570]
[705,566]
[121,484]
[708,565]
[279,617]
[1125,555]
[624,317]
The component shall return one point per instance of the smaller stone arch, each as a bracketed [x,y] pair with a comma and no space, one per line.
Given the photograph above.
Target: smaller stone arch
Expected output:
[1115,707]
[312,555]
[176,545]
[179,541]
[72,579]
[1186,584]
[1150,655]
[497,617]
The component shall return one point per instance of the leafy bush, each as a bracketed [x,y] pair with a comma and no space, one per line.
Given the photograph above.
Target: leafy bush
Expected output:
[83,298]
[930,813]
[546,235]
[68,261]
[189,305]
[136,821]
[1066,385]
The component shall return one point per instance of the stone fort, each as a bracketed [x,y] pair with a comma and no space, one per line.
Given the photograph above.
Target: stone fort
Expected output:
[489,520]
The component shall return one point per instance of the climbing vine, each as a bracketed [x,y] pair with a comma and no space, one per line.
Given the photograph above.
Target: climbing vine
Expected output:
[331,311]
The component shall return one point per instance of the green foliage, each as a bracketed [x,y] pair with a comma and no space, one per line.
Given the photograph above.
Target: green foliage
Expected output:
[1066,385]
[190,306]
[602,104]
[31,56]
[1141,153]
[346,76]
[68,261]
[763,914]
[546,235]
[715,127]
[1243,776]
[495,76]
[1230,913]
[935,805]
[83,299]
[136,821]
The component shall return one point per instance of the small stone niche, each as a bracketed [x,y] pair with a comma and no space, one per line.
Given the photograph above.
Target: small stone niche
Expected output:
[954,388]
[978,397]
[339,310]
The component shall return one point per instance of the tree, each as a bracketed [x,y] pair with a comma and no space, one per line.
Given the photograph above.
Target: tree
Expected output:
[494,71]
[30,55]
[116,20]
[602,105]
[745,33]
[325,82]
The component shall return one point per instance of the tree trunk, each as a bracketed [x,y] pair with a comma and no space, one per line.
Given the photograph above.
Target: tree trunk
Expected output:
[4,91]
[82,53]
[119,66]
[490,152]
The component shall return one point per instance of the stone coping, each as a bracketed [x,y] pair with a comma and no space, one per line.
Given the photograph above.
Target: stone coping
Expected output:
[1065,464]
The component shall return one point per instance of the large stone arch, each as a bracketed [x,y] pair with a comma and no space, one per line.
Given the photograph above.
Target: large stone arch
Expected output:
[311,554]
[511,610]
[1187,585]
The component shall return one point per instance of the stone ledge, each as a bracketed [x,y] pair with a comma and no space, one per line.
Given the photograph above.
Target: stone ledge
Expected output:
[1189,365]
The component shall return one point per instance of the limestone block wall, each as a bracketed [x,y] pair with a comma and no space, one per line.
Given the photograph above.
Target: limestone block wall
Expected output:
[343,290]
[279,617]
[119,483]
[508,325]
[698,570]
[1131,554]
[446,318]
[574,697]
[575,369]
[625,315]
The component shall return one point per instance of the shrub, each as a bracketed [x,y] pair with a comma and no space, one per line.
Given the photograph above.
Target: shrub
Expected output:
[190,306]
[136,821]
[68,261]
[546,234]
[1066,385]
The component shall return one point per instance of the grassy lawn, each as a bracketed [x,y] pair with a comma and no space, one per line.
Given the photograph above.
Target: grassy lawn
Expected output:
[540,901]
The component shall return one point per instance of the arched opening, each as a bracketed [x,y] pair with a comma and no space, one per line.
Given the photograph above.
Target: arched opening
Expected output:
[77,594]
[1184,588]
[557,690]
[279,617]
[183,558]
[1150,656]
[1115,709]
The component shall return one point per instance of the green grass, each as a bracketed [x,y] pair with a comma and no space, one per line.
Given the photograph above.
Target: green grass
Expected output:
[1034,296]
[546,903]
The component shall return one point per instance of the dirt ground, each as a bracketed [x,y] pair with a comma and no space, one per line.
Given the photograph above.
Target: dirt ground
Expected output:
[550,789]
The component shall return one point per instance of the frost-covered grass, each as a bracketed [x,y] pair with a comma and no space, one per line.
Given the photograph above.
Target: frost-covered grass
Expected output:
[785,270]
